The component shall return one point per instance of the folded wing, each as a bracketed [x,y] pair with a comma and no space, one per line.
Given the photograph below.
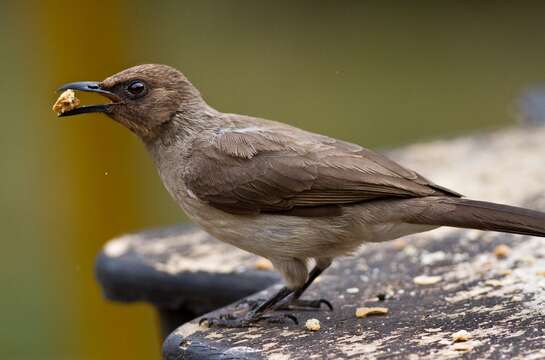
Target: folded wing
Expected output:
[278,168]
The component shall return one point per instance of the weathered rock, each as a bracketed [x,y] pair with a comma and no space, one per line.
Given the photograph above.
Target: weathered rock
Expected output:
[181,270]
[499,301]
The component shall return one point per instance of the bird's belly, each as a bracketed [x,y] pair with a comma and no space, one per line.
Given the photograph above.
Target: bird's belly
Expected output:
[276,236]
[280,236]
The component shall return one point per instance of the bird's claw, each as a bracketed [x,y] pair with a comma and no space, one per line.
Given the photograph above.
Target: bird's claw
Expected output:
[301,304]
[280,318]
[326,303]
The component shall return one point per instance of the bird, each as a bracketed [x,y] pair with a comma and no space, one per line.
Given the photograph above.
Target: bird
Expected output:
[292,196]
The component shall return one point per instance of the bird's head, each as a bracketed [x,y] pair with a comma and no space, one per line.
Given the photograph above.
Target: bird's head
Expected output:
[143,97]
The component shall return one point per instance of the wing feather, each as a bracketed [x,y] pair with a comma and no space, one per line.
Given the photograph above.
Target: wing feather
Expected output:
[277,168]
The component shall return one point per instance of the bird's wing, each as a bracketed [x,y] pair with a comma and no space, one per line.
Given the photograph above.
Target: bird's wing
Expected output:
[280,168]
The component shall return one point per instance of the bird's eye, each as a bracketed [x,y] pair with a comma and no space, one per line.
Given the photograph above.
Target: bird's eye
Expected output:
[136,89]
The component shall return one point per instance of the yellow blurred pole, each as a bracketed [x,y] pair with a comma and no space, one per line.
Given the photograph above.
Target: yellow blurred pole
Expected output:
[86,41]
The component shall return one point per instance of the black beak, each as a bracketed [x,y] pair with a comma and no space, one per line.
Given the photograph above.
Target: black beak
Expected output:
[90,86]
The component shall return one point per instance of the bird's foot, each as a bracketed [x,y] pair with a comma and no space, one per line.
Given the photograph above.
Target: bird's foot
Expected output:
[302,304]
[232,321]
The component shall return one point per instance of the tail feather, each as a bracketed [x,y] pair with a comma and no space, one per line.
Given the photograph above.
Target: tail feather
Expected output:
[481,215]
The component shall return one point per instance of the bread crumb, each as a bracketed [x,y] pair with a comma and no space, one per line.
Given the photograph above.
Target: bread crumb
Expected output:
[67,101]
[263,264]
[365,311]
[461,335]
[312,324]
[427,280]
[502,251]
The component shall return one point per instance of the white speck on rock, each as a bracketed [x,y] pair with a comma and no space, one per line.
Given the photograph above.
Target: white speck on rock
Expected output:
[116,248]
[427,280]
[431,258]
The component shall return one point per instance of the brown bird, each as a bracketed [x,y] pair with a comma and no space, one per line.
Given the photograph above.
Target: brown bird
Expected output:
[286,194]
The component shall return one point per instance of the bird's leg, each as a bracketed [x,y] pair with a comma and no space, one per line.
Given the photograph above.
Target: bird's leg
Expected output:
[254,315]
[285,298]
[294,302]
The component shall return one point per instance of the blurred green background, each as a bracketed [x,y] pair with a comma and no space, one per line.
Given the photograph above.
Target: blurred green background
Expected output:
[377,73]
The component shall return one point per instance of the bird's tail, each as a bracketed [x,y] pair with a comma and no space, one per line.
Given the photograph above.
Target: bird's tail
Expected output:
[472,214]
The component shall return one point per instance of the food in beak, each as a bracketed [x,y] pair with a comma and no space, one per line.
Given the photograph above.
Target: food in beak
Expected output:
[67,101]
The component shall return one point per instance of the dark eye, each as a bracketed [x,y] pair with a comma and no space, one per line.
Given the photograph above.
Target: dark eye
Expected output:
[136,88]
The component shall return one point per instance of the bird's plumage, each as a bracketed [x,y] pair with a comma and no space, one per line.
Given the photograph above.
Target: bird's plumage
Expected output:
[254,165]
[239,176]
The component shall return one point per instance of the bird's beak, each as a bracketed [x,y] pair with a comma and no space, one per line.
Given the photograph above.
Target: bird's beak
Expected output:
[90,86]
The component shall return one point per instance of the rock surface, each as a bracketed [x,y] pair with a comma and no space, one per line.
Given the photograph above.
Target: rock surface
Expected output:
[180,270]
[499,300]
